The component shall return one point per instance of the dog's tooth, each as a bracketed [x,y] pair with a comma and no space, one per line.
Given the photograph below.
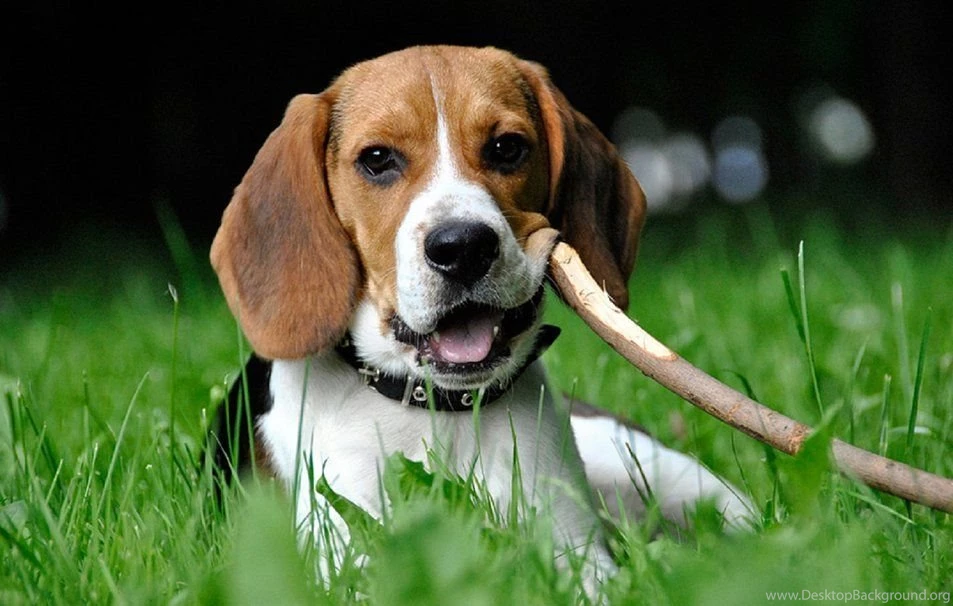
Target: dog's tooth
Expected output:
[435,335]
[496,330]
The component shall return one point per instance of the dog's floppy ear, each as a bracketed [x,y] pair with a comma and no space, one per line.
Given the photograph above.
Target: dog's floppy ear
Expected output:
[594,200]
[289,272]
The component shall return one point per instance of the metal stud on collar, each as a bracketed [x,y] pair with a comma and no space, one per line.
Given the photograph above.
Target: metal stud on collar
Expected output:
[466,400]
[369,375]
[419,394]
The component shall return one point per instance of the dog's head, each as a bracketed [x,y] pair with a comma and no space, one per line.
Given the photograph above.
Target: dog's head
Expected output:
[408,203]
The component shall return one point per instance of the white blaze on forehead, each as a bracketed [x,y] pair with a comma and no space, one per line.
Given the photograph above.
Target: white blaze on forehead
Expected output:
[424,295]
[445,166]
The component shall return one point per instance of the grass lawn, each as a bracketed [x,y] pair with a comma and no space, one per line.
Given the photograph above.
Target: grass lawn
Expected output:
[109,377]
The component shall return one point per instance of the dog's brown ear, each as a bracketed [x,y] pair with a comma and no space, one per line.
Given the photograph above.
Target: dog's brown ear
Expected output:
[594,200]
[289,272]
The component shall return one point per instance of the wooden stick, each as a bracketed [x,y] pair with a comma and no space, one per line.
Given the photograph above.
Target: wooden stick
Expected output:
[658,362]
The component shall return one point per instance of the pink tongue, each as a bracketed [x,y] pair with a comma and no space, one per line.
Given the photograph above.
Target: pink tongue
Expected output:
[468,341]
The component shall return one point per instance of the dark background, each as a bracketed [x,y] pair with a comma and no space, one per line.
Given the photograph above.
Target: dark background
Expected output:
[105,115]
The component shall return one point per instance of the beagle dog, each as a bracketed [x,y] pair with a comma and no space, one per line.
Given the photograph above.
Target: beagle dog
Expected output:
[385,256]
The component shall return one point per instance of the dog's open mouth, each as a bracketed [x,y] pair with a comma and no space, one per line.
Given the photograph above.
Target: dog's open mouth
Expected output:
[471,337]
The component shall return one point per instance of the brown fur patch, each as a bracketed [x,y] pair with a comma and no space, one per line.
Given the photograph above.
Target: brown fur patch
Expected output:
[594,200]
[285,264]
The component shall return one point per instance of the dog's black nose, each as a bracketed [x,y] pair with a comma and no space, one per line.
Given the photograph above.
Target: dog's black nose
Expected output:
[462,251]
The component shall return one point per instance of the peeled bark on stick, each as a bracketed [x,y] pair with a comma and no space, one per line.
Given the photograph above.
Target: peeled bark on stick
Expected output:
[661,364]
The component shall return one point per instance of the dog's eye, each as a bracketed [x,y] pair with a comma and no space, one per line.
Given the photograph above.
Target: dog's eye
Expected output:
[380,165]
[506,153]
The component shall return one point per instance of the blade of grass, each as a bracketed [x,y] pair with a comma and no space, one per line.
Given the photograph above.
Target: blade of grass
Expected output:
[849,395]
[175,342]
[749,391]
[808,344]
[799,311]
[181,251]
[792,303]
[246,405]
[46,445]
[59,546]
[517,498]
[119,438]
[745,484]
[884,416]
[917,382]
[111,583]
[90,413]
[15,539]
[16,426]
[903,347]
[296,483]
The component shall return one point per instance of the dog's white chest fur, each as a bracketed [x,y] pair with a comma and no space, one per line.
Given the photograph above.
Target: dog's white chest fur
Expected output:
[348,431]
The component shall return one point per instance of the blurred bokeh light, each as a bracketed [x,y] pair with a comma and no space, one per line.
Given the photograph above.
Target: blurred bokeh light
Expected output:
[674,168]
[741,168]
[690,163]
[670,167]
[838,128]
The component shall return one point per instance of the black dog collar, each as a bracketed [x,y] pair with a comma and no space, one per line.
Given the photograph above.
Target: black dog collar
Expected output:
[414,391]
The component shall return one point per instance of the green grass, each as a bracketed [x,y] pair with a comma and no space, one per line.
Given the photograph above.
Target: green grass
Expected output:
[107,383]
